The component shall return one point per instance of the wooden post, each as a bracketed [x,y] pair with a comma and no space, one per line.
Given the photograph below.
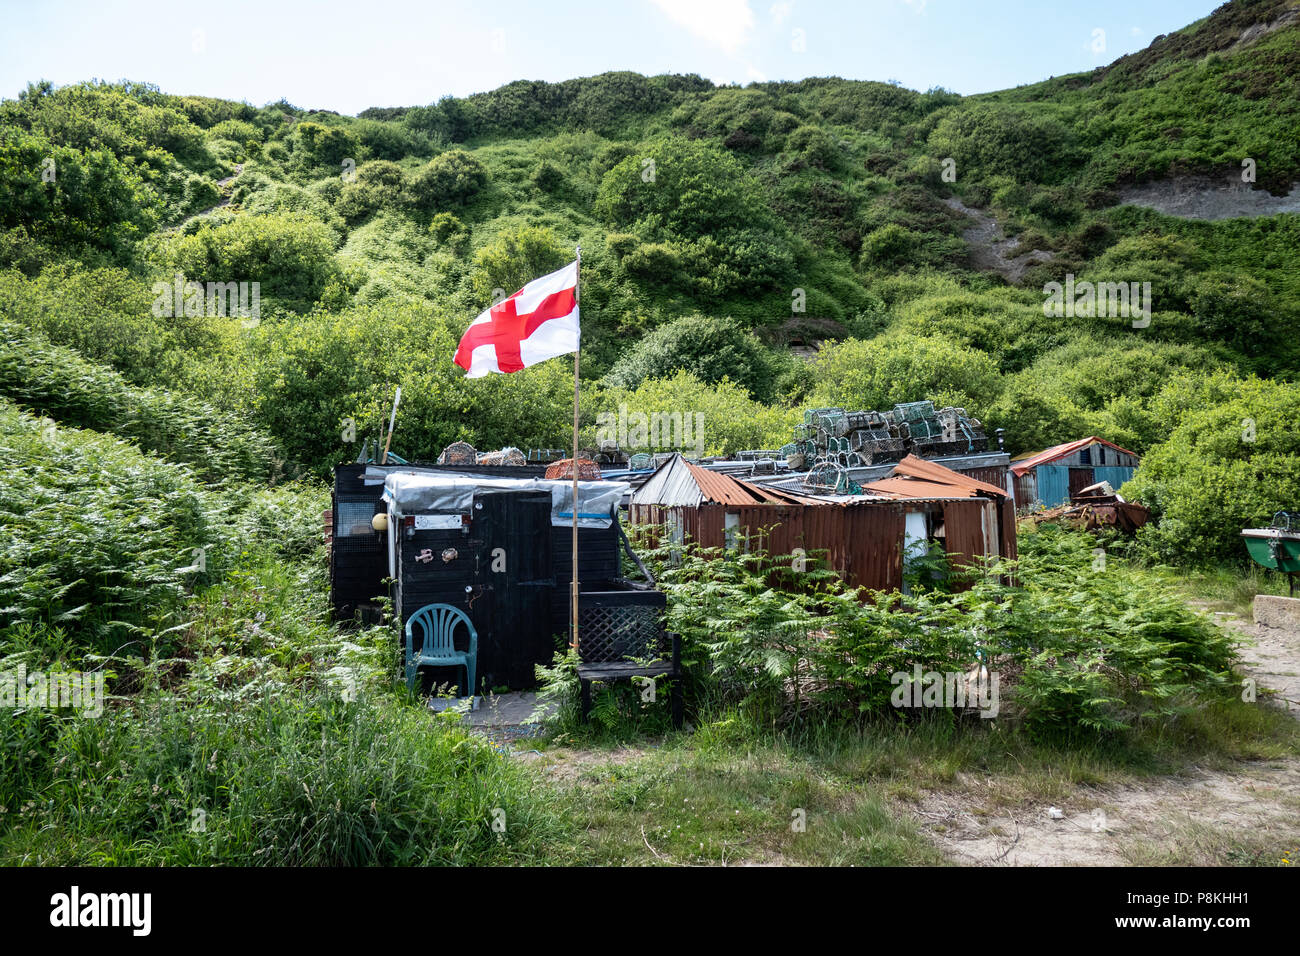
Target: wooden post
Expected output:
[577,298]
[391,422]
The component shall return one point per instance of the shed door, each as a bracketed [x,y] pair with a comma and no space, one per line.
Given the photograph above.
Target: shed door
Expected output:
[513,579]
[1080,478]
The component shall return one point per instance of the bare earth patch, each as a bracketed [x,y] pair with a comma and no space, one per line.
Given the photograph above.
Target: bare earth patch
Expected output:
[1210,197]
[1118,826]
[1201,817]
[990,249]
[571,766]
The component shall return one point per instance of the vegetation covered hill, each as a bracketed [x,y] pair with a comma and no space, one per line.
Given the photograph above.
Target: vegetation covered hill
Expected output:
[718,227]
[160,515]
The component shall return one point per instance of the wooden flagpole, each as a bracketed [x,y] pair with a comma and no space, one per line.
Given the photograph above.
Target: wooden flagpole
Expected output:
[577,298]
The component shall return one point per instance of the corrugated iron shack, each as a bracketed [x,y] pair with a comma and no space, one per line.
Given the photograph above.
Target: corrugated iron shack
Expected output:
[1052,477]
[866,538]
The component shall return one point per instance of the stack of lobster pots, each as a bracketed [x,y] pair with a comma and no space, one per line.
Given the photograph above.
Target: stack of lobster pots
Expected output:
[858,439]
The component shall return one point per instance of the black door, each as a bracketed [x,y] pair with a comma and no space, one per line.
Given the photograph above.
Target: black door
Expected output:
[513,580]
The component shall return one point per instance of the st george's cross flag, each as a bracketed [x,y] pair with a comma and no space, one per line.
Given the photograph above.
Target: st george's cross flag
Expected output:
[538,322]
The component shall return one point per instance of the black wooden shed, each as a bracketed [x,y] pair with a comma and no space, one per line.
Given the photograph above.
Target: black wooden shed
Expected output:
[499,548]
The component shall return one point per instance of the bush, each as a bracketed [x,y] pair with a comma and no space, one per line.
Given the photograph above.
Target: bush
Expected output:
[449,179]
[94,200]
[313,372]
[989,139]
[731,421]
[516,258]
[697,190]
[378,185]
[1231,459]
[882,372]
[292,258]
[710,349]
[449,231]
[105,315]
[316,146]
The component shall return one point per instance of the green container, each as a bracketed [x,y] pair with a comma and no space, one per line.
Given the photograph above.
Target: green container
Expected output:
[1274,549]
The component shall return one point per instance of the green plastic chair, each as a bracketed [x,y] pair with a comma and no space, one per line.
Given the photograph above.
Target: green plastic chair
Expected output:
[437,624]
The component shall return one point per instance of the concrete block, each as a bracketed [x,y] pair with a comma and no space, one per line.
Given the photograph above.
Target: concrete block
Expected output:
[1272,610]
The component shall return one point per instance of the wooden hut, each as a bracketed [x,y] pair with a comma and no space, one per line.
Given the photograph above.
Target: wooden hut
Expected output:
[1052,477]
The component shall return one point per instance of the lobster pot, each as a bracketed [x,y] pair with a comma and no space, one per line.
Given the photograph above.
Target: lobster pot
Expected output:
[506,456]
[913,411]
[858,421]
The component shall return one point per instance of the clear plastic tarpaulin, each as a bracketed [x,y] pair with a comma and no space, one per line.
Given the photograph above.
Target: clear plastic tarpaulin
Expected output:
[410,492]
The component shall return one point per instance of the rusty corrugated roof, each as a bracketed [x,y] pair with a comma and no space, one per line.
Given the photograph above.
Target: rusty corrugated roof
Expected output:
[779,496]
[718,487]
[915,488]
[917,478]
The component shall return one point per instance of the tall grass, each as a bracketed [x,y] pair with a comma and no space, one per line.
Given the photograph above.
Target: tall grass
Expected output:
[291,779]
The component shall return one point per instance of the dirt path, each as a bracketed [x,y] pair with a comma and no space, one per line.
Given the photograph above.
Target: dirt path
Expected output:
[1199,818]
[1202,817]
[991,250]
[226,193]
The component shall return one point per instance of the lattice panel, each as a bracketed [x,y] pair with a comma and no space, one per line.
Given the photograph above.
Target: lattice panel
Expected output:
[610,634]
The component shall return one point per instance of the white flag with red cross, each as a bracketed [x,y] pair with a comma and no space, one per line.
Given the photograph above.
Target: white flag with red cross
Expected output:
[538,322]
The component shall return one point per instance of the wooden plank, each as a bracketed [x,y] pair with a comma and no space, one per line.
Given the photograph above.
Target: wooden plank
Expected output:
[617,670]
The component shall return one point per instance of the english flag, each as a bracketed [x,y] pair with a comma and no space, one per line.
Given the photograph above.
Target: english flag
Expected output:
[538,322]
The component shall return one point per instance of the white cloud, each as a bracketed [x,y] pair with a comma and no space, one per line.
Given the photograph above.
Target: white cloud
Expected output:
[919,4]
[754,75]
[727,24]
[781,12]
[1135,31]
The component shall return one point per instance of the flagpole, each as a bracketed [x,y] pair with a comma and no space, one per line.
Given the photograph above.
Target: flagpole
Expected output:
[577,298]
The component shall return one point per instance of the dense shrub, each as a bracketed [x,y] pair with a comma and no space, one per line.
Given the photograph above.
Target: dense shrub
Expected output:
[449,179]
[1231,458]
[106,315]
[880,373]
[92,200]
[710,349]
[291,257]
[678,188]
[730,420]
[516,258]
[991,139]
[317,146]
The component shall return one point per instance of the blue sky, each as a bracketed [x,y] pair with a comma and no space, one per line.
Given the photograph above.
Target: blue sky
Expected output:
[346,54]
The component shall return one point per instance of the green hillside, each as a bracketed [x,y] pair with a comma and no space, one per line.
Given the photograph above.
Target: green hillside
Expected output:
[747,253]
[719,226]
